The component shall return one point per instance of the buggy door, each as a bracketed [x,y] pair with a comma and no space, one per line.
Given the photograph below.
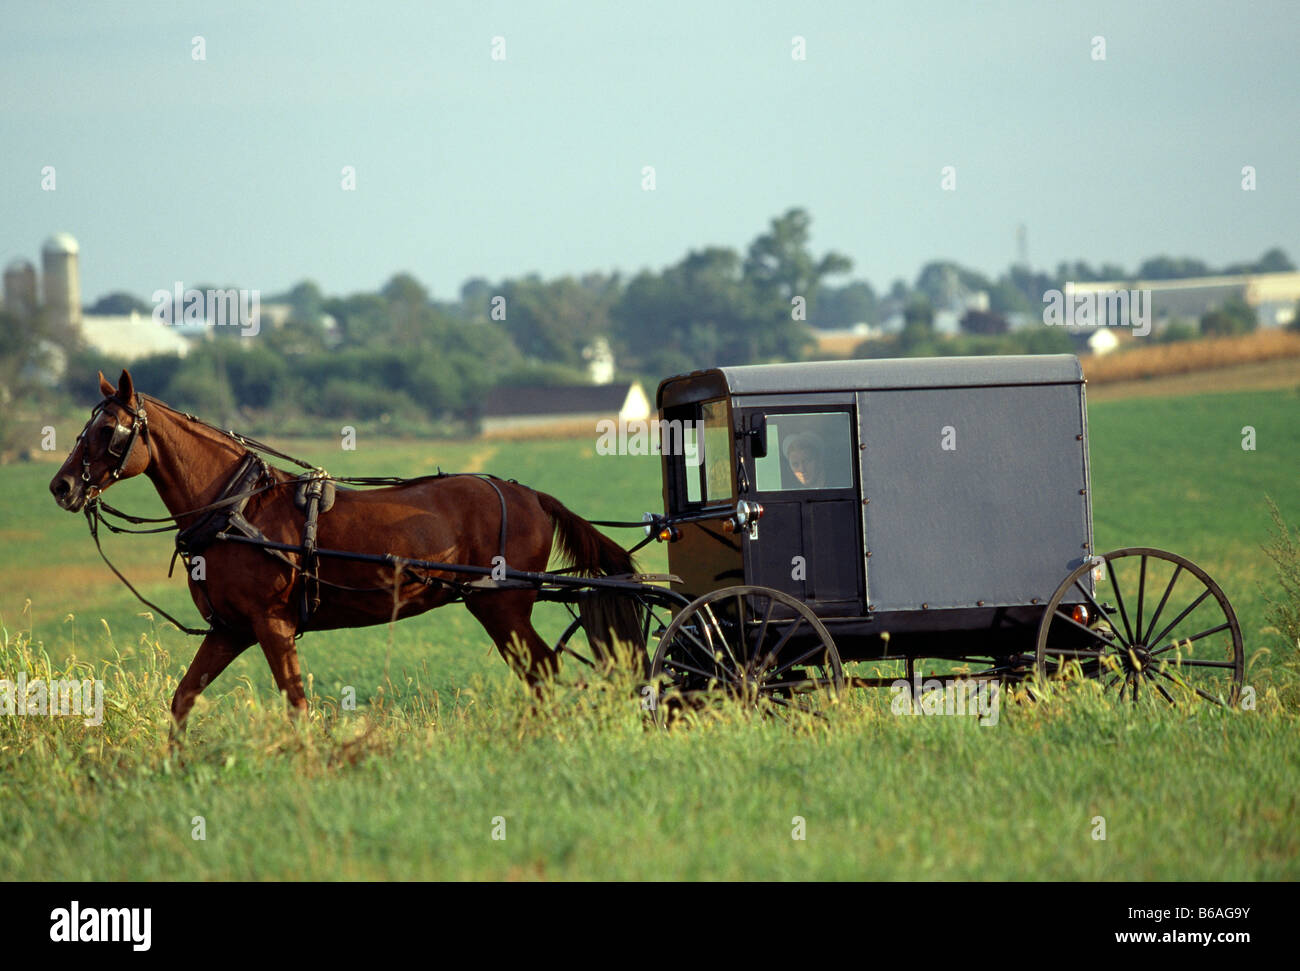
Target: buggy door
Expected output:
[808,542]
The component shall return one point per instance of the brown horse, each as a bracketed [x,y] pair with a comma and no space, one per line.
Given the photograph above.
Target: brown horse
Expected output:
[250,595]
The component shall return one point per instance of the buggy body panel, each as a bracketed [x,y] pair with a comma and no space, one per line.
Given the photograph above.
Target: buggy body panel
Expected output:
[956,493]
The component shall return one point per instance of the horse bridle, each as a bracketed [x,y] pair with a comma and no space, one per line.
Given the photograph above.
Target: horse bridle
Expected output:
[122,441]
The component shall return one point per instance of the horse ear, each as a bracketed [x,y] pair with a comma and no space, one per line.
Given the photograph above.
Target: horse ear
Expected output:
[125,388]
[105,388]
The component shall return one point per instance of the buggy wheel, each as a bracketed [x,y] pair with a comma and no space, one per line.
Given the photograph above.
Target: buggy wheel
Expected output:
[1150,622]
[754,644]
[574,645]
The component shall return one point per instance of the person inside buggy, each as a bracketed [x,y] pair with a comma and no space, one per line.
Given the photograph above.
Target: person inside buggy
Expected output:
[805,454]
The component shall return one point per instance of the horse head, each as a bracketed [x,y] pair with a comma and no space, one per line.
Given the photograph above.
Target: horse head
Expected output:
[105,451]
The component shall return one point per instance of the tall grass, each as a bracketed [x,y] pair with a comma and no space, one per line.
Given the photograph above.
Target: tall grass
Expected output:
[1283,613]
[583,786]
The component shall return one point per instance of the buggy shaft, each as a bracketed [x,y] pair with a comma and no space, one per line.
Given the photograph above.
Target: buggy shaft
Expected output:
[390,559]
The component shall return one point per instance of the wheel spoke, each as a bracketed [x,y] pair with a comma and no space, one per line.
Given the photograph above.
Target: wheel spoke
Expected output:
[1155,618]
[1119,600]
[722,636]
[1100,613]
[1142,588]
[689,652]
[1177,620]
[771,656]
[1095,634]
[1196,662]
[799,660]
[714,657]
[1127,659]
[564,646]
[683,666]
[1195,637]
[1188,687]
[740,626]
[645,628]
[575,655]
[762,630]
[685,631]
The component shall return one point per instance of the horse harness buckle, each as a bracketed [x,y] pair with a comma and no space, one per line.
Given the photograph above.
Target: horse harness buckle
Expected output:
[314,495]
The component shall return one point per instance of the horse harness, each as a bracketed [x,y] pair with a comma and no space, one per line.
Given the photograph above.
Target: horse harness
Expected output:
[313,496]
[224,517]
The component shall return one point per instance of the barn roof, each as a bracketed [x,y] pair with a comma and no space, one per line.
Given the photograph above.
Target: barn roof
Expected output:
[565,399]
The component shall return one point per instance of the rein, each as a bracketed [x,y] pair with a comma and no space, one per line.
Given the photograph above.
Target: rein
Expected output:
[251,444]
[93,519]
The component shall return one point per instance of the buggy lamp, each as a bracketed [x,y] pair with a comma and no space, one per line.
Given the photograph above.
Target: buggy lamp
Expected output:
[745,513]
[660,530]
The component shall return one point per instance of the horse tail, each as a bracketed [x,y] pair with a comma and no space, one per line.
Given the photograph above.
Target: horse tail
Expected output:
[590,552]
[609,616]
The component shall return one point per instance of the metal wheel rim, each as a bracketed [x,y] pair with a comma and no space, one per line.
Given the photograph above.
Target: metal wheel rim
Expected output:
[760,680]
[1146,657]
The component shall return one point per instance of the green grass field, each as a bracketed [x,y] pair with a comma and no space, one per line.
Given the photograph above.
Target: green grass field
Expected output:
[444,748]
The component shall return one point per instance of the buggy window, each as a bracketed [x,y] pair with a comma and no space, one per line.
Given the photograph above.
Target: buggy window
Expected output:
[717,451]
[693,454]
[806,451]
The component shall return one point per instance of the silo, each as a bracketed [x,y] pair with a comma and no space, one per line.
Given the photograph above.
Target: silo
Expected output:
[20,288]
[62,285]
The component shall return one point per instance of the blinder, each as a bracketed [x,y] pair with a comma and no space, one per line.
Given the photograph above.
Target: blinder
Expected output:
[120,442]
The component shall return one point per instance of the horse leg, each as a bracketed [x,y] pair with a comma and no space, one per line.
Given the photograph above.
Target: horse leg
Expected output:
[275,634]
[505,616]
[214,655]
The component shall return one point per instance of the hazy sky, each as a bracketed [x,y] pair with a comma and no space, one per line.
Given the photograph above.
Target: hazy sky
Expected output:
[228,170]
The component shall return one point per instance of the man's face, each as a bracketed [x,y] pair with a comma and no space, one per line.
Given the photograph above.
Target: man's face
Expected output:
[806,466]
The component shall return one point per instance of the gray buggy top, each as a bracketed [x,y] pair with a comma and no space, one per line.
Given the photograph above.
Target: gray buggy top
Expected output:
[945,484]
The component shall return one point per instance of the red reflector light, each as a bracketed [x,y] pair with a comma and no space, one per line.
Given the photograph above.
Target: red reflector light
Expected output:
[1079,614]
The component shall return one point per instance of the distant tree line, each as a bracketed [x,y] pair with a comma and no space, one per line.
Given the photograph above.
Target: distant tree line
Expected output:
[400,353]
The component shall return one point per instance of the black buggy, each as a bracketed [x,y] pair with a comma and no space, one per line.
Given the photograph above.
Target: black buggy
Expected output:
[824,513]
